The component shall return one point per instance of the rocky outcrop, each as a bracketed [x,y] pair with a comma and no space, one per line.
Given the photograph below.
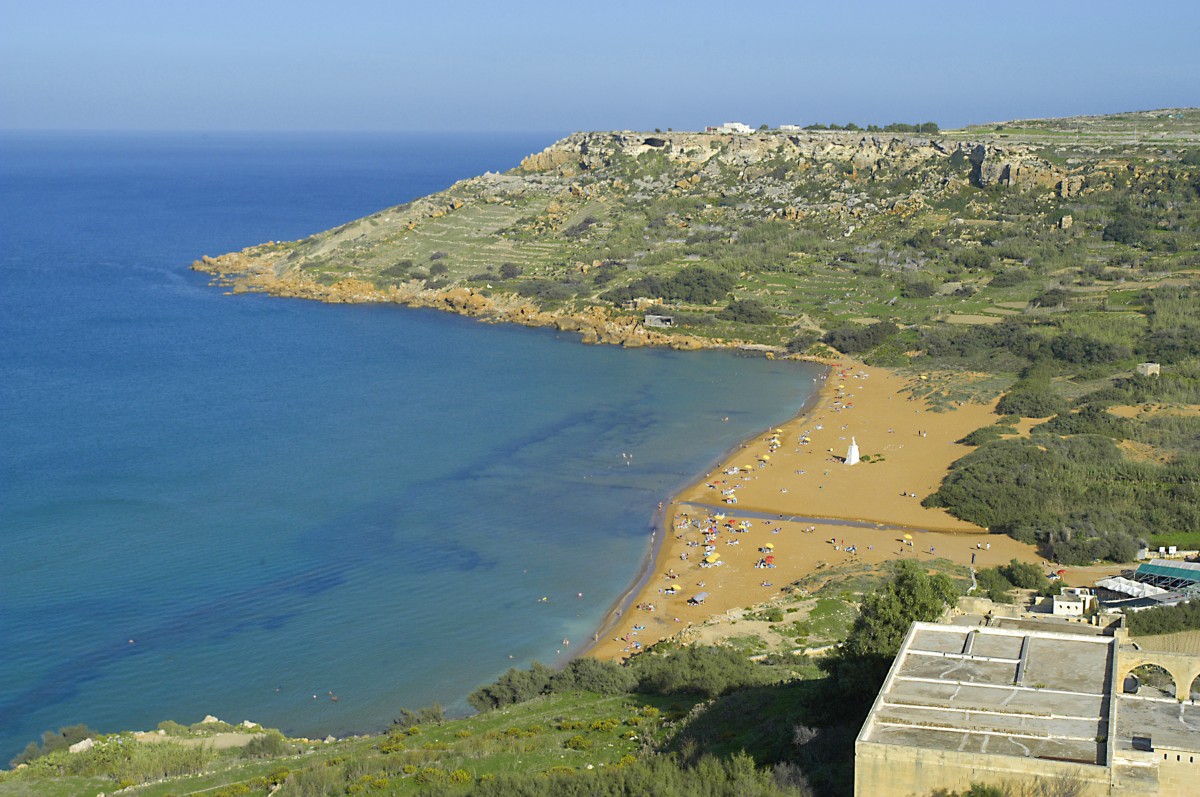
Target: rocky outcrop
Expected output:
[250,271]
[1012,167]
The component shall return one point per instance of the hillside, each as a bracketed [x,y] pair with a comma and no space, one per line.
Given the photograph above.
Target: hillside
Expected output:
[822,228]
[1041,257]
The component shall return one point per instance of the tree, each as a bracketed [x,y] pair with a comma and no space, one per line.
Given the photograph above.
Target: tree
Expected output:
[747,311]
[1126,227]
[860,666]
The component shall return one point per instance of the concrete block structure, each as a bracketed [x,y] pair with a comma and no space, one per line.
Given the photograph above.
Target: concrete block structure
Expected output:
[968,704]
[1148,369]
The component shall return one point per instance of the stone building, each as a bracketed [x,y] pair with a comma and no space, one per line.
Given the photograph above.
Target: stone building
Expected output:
[967,704]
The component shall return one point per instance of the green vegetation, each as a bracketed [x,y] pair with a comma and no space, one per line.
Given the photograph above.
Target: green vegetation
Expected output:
[1035,262]
[998,583]
[1165,619]
[859,666]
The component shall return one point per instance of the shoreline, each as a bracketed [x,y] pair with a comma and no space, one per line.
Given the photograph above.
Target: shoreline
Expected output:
[660,529]
[783,503]
[798,506]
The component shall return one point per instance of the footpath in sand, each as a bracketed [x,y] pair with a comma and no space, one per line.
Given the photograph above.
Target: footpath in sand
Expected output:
[789,495]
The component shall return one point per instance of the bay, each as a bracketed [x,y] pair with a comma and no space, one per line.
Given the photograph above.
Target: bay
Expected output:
[244,505]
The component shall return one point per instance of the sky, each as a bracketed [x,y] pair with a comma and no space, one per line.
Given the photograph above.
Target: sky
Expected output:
[529,65]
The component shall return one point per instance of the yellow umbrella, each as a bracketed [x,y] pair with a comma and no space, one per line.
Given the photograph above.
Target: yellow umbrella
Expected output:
[712,557]
[769,546]
[719,516]
[908,536]
[764,456]
[778,431]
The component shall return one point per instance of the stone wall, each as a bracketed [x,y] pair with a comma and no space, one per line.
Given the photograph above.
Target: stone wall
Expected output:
[887,770]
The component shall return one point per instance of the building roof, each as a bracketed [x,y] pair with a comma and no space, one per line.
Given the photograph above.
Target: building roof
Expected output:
[1129,587]
[1168,573]
[997,691]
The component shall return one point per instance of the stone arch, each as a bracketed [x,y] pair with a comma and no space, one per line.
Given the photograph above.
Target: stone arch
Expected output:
[1194,693]
[1183,669]
[1149,680]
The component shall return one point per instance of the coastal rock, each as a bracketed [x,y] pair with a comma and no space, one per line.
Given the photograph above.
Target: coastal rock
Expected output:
[82,746]
[465,301]
[208,718]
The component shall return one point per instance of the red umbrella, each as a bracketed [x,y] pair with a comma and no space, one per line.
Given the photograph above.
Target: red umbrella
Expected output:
[1062,572]
[769,559]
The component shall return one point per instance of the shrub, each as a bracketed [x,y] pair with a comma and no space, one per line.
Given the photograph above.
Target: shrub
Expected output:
[1024,575]
[172,728]
[994,585]
[1031,403]
[577,743]
[1165,619]
[594,675]
[747,311]
[1010,277]
[920,288]
[855,339]
[1126,227]
[859,666]
[510,271]
[974,258]
[709,671]
[51,741]
[1055,297]
[696,285]
[268,745]
[802,342]
[515,686]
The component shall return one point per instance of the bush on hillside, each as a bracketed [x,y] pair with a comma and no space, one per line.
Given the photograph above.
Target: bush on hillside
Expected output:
[1165,619]
[859,666]
[594,675]
[747,311]
[708,671]
[856,339]
[515,686]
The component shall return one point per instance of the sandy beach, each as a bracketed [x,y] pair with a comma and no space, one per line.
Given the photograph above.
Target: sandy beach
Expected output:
[788,494]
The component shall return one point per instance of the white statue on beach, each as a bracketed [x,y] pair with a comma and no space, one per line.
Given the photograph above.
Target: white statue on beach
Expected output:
[852,454]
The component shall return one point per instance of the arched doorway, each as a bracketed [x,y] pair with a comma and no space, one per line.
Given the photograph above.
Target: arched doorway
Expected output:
[1150,680]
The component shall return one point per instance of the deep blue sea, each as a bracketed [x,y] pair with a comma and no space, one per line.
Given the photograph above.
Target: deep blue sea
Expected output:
[232,504]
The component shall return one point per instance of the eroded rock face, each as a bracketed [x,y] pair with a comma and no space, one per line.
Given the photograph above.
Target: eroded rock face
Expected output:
[1012,167]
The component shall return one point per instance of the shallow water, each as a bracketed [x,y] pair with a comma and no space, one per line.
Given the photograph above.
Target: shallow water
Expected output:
[240,505]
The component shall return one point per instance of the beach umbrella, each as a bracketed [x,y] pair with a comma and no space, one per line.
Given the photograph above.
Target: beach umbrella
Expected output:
[908,536]
[764,457]
[770,546]
[769,559]
[719,516]
[1061,572]
[712,557]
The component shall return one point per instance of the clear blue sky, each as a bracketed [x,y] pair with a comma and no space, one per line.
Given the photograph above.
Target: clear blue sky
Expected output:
[377,65]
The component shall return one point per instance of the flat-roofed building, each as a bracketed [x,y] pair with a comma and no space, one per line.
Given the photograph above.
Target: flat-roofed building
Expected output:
[976,704]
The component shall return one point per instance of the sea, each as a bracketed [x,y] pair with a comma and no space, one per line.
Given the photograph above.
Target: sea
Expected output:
[249,506]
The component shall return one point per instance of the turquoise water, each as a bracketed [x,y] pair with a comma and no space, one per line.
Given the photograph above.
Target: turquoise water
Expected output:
[230,505]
